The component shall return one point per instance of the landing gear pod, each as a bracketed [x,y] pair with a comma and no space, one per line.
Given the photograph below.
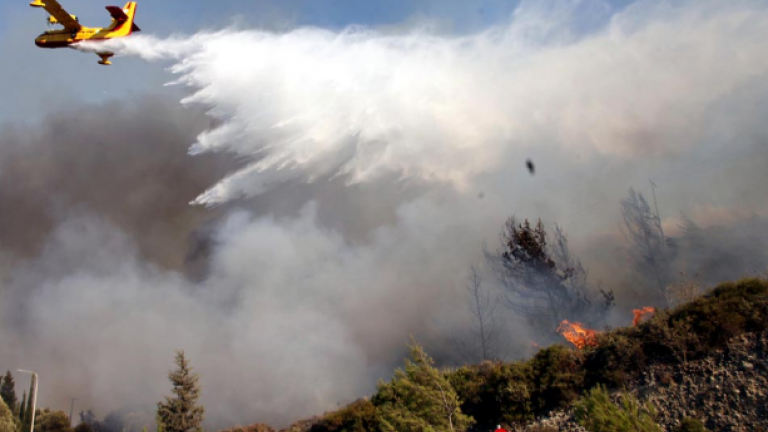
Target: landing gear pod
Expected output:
[105,58]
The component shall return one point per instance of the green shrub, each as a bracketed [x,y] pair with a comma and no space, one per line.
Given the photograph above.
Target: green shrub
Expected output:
[671,338]
[615,360]
[8,421]
[597,413]
[51,421]
[259,427]
[494,393]
[731,309]
[419,399]
[695,329]
[557,377]
[691,425]
[359,416]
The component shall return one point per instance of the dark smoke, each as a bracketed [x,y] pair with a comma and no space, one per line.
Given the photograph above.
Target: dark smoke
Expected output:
[125,161]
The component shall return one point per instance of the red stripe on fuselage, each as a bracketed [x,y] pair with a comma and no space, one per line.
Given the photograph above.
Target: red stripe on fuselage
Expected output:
[62,44]
[53,44]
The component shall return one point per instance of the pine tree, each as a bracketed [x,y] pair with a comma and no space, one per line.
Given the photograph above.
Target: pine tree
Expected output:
[23,409]
[180,413]
[8,392]
[420,399]
[22,406]
[27,420]
[544,283]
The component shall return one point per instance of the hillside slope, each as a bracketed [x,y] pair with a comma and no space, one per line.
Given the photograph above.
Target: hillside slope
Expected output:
[727,391]
[707,360]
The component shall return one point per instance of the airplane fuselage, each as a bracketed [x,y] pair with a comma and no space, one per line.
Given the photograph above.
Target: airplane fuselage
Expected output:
[65,38]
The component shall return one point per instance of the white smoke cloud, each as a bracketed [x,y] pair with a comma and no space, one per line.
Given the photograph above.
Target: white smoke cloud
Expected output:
[293,316]
[290,321]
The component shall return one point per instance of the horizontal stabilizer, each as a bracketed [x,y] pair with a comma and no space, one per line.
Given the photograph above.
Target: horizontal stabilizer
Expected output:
[135,28]
[117,14]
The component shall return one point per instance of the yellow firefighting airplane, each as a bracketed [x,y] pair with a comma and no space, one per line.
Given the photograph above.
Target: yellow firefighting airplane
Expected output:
[73,33]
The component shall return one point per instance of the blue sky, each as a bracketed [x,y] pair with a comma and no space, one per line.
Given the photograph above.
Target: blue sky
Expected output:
[185,16]
[36,81]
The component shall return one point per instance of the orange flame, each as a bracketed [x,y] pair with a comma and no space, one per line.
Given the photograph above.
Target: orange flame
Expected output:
[642,313]
[577,334]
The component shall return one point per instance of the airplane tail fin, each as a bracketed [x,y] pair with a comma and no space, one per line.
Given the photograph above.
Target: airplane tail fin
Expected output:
[124,17]
[130,7]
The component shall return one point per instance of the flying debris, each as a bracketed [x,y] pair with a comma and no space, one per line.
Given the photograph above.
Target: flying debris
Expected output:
[73,33]
[530,166]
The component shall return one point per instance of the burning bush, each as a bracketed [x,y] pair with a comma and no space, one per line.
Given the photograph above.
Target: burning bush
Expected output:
[642,314]
[577,334]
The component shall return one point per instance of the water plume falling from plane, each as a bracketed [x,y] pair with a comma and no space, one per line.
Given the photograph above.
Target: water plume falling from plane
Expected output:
[362,105]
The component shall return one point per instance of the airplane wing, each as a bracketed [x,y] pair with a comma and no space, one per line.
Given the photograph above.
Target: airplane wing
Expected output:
[63,17]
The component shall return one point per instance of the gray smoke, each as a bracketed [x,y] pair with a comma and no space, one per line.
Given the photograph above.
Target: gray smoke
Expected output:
[399,156]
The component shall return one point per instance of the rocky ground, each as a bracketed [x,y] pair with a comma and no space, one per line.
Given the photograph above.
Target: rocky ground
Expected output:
[727,391]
